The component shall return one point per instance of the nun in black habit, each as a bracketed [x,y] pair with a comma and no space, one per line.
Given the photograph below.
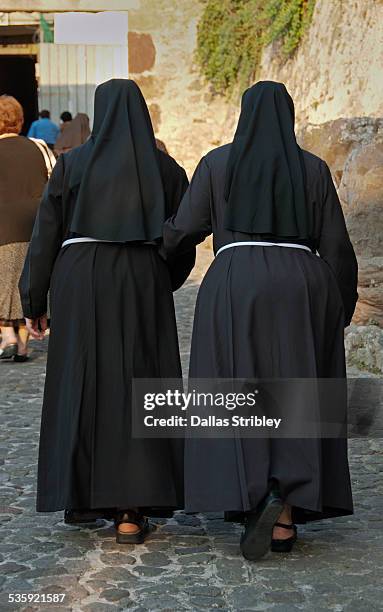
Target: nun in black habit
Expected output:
[95,246]
[268,310]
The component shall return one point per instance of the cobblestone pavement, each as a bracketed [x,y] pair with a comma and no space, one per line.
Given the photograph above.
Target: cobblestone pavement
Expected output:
[189,562]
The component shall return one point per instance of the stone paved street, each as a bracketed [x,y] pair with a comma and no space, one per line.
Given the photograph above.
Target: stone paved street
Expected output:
[188,562]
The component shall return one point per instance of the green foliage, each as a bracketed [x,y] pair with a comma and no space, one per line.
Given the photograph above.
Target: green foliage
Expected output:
[287,20]
[232,34]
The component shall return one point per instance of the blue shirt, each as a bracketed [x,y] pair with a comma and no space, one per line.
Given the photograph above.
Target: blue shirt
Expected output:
[44,129]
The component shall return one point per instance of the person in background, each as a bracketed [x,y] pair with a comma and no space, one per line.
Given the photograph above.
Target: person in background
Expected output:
[73,134]
[44,129]
[65,118]
[65,121]
[23,174]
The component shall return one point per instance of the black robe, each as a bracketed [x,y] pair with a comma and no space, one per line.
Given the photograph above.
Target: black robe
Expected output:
[267,312]
[112,318]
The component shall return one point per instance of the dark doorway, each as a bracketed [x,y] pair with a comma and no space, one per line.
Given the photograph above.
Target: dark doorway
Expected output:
[18,79]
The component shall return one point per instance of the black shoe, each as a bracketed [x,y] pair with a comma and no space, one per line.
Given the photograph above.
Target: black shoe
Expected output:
[284,546]
[21,358]
[256,539]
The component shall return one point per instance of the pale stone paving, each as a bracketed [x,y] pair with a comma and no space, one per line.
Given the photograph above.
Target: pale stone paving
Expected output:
[189,562]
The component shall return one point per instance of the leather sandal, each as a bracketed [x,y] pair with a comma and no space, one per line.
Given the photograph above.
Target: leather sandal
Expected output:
[284,546]
[133,518]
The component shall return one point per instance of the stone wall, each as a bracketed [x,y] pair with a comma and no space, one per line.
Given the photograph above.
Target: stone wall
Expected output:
[48,6]
[334,73]
[353,149]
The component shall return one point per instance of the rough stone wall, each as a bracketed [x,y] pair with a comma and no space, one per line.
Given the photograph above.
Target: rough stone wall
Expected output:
[337,69]
[335,72]
[353,149]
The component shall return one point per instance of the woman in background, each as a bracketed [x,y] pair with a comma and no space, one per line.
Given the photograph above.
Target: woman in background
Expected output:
[73,134]
[23,174]
[268,308]
[95,245]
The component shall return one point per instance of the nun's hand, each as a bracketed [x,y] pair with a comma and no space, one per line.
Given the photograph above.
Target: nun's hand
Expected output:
[37,327]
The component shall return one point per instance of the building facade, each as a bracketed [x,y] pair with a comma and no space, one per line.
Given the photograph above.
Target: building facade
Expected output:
[43,66]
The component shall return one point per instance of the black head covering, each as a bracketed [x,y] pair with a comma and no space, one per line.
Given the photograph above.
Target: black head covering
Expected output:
[265,183]
[121,197]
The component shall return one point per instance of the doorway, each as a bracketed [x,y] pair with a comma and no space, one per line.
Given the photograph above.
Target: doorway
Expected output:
[18,79]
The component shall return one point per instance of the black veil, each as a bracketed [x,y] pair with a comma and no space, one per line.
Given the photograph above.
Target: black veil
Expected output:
[121,196]
[265,177]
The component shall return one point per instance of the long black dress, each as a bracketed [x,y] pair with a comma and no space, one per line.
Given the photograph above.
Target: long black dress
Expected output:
[267,312]
[112,318]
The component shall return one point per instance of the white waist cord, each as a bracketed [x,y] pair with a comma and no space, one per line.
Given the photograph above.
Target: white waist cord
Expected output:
[290,245]
[75,240]
[86,239]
